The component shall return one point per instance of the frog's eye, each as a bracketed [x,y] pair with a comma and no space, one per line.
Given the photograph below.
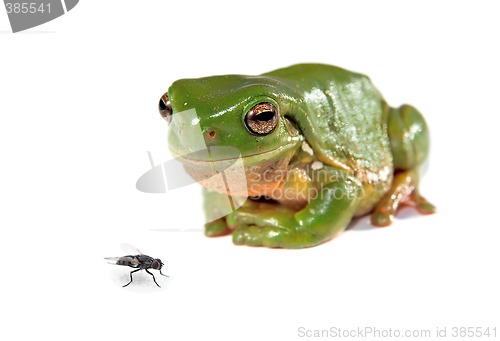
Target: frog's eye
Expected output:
[165,108]
[262,118]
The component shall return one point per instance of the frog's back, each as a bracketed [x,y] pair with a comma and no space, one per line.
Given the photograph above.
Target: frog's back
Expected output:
[343,119]
[316,74]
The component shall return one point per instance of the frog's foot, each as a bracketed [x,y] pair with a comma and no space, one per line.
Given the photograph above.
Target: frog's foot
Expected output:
[274,237]
[269,225]
[217,228]
[403,192]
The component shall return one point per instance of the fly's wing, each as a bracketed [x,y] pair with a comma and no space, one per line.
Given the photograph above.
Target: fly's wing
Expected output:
[131,261]
[130,249]
[112,260]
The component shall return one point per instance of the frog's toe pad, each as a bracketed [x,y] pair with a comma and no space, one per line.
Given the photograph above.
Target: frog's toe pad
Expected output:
[421,204]
[381,219]
[426,208]
[216,228]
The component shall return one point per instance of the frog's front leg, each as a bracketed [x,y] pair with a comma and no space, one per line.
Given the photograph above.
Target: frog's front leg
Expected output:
[217,207]
[323,218]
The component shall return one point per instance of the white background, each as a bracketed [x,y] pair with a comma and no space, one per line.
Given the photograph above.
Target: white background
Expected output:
[78,105]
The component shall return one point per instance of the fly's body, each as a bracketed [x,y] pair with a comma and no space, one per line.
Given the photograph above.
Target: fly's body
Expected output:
[139,262]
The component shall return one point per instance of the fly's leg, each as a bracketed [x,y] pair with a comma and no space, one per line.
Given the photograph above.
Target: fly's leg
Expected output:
[163,274]
[131,272]
[154,279]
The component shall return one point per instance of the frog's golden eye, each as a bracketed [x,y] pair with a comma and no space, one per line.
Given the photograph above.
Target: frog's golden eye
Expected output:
[262,118]
[165,108]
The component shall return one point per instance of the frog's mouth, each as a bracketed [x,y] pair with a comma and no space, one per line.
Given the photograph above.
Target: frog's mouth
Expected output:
[225,170]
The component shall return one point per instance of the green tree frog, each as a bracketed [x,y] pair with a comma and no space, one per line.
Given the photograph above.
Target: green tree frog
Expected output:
[319,145]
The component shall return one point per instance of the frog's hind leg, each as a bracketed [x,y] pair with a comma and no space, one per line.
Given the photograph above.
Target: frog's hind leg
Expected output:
[403,192]
[409,138]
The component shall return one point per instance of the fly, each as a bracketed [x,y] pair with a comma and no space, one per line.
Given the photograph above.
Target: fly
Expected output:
[139,261]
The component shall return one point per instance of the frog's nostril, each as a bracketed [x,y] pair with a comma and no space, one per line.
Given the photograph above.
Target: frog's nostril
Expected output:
[165,108]
[211,134]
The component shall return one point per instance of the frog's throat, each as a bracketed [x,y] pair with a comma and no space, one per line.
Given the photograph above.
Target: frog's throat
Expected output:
[266,154]
[250,175]
[293,144]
